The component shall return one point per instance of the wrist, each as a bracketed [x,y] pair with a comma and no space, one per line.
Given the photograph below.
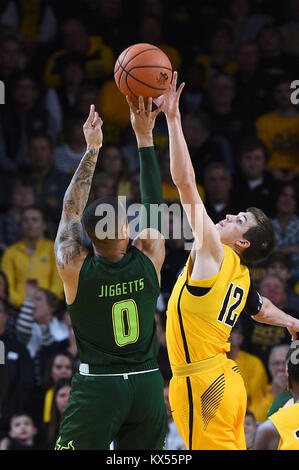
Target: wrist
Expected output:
[93,148]
[145,140]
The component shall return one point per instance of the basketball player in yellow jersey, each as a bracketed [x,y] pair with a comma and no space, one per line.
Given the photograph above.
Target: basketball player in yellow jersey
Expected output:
[281,430]
[207,393]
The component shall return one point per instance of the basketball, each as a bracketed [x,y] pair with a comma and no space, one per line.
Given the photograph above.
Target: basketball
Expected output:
[142,70]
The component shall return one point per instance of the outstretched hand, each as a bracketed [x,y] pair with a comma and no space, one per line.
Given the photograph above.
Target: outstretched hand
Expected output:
[169,101]
[92,129]
[143,118]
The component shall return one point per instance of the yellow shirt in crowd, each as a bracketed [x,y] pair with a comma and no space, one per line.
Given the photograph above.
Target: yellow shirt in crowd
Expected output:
[255,377]
[281,137]
[18,266]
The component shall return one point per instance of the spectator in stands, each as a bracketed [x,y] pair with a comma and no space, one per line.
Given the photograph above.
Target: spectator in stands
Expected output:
[227,121]
[31,257]
[193,74]
[218,191]
[279,264]
[290,27]
[10,59]
[251,88]
[60,101]
[102,185]
[60,366]
[250,366]
[37,24]
[38,324]
[250,429]
[151,30]
[88,93]
[204,146]
[218,59]
[260,338]
[275,62]
[278,381]
[69,154]
[98,57]
[22,433]
[279,130]
[24,115]
[49,183]
[169,190]
[114,164]
[110,19]
[21,196]
[61,396]
[254,185]
[286,226]
[19,372]
[244,22]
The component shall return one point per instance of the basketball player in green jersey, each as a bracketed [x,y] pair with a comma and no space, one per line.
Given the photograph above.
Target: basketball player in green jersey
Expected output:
[111,295]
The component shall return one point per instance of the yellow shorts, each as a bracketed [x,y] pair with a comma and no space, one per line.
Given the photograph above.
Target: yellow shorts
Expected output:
[208,402]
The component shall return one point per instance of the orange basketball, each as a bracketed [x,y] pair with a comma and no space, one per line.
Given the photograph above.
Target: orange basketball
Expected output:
[142,70]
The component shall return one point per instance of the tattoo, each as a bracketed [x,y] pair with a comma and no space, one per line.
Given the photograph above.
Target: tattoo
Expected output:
[69,239]
[68,244]
[76,196]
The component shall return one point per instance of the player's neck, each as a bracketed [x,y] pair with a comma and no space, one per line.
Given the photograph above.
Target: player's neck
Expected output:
[112,251]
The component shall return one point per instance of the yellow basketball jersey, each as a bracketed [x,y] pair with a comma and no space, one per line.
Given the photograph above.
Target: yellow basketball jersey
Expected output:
[198,327]
[286,421]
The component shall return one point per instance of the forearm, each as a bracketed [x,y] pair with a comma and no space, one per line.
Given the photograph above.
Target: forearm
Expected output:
[76,196]
[150,188]
[181,167]
[272,315]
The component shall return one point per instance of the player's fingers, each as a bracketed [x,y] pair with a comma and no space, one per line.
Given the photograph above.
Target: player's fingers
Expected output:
[95,118]
[158,109]
[180,89]
[131,105]
[98,122]
[174,79]
[141,104]
[149,104]
[90,116]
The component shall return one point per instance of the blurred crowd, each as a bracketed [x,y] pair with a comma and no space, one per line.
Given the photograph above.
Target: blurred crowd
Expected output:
[238,59]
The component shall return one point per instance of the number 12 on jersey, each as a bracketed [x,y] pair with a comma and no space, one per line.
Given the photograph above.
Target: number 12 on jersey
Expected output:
[227,314]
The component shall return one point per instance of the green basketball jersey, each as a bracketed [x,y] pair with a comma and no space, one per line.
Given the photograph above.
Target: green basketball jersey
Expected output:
[113,314]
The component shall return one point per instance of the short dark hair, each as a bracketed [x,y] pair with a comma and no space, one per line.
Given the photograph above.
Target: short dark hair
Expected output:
[40,209]
[251,143]
[41,135]
[117,217]
[261,237]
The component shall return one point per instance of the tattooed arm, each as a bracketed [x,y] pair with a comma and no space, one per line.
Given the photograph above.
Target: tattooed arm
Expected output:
[69,250]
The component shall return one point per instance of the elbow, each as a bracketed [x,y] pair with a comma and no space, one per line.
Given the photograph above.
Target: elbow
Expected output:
[185,182]
[262,315]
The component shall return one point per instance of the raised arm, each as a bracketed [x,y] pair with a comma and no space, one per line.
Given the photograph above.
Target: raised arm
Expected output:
[69,250]
[272,315]
[182,172]
[150,239]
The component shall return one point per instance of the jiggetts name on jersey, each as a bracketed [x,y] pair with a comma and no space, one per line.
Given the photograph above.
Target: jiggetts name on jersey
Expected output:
[121,288]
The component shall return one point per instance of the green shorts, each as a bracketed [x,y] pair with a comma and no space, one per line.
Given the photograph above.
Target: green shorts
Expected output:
[129,411]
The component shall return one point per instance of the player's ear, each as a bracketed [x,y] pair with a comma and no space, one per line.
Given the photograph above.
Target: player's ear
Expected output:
[242,244]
